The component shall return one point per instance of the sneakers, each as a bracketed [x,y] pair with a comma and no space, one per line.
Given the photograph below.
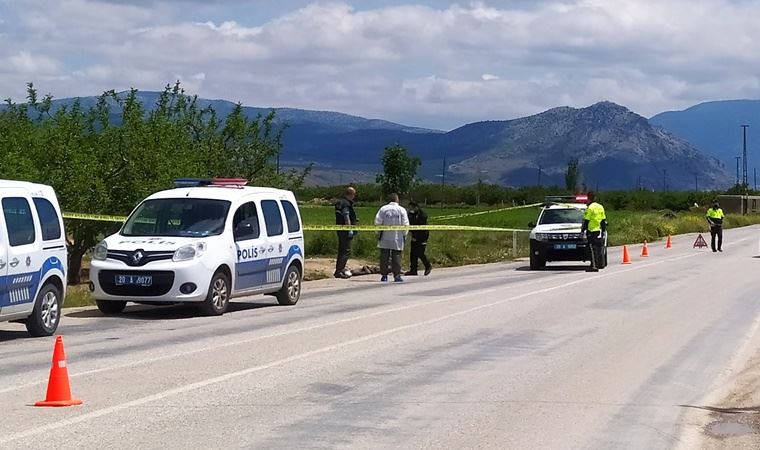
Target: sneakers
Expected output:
[346,274]
[428,270]
[384,279]
[398,280]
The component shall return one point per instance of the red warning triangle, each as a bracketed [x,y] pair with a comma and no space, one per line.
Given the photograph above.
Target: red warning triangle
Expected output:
[700,242]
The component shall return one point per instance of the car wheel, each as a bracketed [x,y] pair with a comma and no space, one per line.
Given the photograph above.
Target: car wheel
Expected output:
[536,262]
[108,307]
[290,292]
[47,312]
[218,297]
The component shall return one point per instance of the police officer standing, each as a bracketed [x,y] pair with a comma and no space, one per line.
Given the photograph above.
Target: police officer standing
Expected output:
[345,215]
[417,216]
[715,219]
[595,227]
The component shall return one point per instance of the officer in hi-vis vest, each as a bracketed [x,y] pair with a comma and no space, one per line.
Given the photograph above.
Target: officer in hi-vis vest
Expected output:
[715,219]
[595,227]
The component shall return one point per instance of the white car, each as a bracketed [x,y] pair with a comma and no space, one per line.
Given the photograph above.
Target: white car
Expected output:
[557,234]
[204,242]
[33,257]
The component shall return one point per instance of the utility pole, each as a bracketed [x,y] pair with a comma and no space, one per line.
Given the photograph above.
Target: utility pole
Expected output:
[744,153]
[696,181]
[737,158]
[665,179]
[443,181]
[539,175]
[755,170]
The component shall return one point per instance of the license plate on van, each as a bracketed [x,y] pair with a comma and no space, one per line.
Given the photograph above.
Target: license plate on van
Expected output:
[133,280]
[565,246]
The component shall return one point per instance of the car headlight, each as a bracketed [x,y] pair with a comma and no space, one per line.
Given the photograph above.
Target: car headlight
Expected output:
[101,251]
[542,236]
[188,252]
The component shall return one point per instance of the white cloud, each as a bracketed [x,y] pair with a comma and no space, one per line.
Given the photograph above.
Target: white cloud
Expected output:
[650,56]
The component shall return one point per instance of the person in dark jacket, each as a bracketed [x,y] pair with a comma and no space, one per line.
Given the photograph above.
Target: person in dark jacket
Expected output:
[419,240]
[345,215]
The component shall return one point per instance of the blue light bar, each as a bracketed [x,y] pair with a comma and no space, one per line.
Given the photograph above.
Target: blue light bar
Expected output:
[191,182]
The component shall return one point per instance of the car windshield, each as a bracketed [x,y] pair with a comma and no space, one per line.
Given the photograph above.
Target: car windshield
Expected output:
[557,216]
[178,217]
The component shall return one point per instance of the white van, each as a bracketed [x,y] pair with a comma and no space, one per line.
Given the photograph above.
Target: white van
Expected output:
[204,242]
[33,257]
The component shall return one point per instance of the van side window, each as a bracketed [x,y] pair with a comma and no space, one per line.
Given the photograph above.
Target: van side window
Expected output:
[294,224]
[245,223]
[49,220]
[19,221]
[272,217]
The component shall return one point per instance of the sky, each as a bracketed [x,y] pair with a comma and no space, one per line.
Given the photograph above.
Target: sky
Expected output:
[436,64]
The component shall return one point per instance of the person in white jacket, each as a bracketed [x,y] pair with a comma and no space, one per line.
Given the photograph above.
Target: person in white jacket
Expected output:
[391,243]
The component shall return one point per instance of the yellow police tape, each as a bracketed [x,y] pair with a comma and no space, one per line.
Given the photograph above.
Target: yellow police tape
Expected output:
[108,218]
[479,213]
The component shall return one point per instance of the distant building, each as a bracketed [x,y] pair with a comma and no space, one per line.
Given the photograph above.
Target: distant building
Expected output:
[740,204]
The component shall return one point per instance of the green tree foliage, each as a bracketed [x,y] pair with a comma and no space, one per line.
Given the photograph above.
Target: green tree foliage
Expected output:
[573,177]
[399,171]
[107,157]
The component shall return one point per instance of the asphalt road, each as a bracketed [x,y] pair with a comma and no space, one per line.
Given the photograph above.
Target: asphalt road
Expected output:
[482,357]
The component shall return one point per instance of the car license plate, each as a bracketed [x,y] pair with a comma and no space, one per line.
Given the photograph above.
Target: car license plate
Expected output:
[133,280]
[565,246]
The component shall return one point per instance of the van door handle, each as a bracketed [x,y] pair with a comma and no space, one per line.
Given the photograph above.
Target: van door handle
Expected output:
[14,262]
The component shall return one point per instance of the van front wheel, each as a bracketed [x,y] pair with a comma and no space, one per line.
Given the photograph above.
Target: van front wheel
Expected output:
[218,297]
[47,312]
[291,287]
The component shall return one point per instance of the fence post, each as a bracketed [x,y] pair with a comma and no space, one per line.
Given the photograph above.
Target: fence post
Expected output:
[514,244]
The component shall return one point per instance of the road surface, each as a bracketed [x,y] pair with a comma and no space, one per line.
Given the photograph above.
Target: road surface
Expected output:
[488,357]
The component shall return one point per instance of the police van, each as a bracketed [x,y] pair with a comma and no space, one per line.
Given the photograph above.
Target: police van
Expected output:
[33,257]
[556,236]
[203,242]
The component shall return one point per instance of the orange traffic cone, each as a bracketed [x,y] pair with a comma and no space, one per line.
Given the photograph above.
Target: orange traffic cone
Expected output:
[626,256]
[669,243]
[59,390]
[644,250]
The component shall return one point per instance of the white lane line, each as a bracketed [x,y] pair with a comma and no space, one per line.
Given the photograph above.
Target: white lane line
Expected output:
[222,378]
[325,325]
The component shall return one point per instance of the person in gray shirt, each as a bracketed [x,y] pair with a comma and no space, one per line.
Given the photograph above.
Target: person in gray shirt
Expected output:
[391,243]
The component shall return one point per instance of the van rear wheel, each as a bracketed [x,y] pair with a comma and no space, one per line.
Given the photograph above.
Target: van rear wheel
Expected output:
[47,312]
[290,292]
[108,307]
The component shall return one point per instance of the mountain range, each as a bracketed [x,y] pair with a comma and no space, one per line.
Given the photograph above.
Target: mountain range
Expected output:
[616,148]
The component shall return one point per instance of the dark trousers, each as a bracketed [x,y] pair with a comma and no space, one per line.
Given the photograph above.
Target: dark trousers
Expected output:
[344,252]
[717,232]
[418,253]
[394,258]
[596,249]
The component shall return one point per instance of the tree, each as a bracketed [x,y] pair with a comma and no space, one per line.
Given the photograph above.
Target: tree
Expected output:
[399,171]
[573,177]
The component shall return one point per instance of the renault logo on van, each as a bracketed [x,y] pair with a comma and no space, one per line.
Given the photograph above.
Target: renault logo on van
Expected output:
[137,257]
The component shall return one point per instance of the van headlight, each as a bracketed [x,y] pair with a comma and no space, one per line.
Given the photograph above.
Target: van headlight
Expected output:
[188,252]
[101,251]
[541,236]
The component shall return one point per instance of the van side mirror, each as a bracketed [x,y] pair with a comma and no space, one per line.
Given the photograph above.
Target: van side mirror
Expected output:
[532,224]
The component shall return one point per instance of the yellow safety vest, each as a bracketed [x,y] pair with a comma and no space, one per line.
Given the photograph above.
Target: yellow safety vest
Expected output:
[715,213]
[595,215]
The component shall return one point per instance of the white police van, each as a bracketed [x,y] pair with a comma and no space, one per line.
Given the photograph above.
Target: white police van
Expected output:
[204,242]
[33,257]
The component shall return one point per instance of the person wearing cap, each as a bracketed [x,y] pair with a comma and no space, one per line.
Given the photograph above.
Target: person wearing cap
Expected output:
[594,227]
[391,242]
[417,216]
[715,219]
[345,215]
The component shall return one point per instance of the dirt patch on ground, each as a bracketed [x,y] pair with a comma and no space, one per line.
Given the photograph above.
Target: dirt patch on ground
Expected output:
[733,422]
[321,268]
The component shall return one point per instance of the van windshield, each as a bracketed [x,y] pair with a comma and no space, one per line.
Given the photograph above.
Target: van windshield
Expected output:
[178,217]
[558,216]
